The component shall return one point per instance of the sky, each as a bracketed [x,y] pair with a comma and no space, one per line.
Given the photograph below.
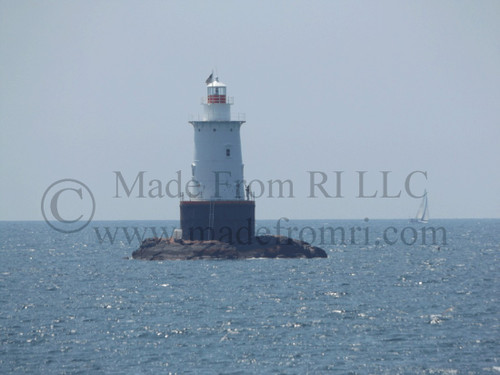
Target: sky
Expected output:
[329,88]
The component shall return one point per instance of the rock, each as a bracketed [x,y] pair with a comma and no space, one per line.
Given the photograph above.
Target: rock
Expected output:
[260,247]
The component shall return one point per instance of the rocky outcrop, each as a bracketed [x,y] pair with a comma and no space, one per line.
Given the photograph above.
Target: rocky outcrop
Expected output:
[260,247]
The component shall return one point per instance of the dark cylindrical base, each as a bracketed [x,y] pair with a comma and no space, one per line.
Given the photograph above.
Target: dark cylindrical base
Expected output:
[226,221]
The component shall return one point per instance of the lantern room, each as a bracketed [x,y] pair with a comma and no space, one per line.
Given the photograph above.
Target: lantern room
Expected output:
[216,92]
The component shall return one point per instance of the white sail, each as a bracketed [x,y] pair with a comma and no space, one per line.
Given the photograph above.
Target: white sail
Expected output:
[423,211]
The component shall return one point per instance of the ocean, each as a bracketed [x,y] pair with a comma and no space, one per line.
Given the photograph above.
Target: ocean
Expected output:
[389,299]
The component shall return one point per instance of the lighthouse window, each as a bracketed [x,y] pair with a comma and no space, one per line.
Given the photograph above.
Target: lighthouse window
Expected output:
[216,91]
[228,152]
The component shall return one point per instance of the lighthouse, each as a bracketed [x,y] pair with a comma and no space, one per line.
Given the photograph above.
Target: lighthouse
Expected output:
[217,211]
[219,205]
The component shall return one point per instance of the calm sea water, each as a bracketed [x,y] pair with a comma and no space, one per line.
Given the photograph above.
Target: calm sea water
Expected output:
[71,303]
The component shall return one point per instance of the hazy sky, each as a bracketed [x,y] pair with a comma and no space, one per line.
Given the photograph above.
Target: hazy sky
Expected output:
[92,87]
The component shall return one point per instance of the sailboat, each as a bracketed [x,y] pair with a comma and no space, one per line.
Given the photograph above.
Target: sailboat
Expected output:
[423,211]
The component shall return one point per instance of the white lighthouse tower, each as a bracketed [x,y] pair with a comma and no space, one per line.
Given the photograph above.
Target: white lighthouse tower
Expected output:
[217,166]
[219,207]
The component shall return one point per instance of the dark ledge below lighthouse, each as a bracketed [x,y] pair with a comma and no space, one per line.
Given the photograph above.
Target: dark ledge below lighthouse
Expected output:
[260,247]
